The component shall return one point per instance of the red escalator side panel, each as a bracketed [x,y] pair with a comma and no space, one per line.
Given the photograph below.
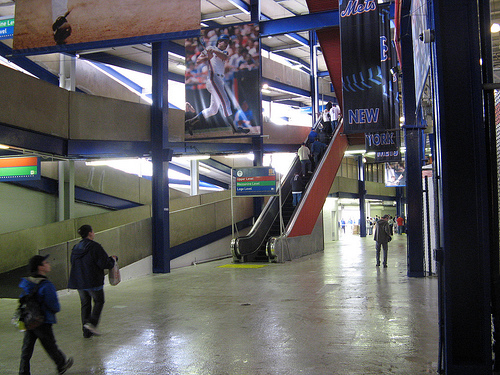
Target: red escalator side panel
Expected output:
[315,198]
[329,40]
[322,5]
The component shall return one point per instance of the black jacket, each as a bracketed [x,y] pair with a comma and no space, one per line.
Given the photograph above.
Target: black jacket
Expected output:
[88,262]
[297,183]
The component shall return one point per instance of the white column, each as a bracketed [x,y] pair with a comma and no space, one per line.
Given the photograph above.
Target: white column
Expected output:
[195,177]
[67,69]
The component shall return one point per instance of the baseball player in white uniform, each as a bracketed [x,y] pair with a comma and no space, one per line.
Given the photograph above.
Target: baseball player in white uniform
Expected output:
[215,58]
[61,26]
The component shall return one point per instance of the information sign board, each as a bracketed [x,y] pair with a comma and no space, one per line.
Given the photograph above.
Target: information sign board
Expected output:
[19,169]
[256,181]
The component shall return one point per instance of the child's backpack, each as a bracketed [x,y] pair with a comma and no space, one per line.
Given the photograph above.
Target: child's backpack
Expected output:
[29,314]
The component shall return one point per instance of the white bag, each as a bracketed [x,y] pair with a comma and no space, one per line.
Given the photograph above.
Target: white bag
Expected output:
[114,275]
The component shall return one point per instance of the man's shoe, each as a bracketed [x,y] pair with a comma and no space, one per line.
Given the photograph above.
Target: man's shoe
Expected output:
[87,334]
[92,328]
[243,130]
[377,265]
[385,265]
[66,366]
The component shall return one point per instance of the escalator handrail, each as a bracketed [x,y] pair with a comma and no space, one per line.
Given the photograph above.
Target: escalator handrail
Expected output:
[251,243]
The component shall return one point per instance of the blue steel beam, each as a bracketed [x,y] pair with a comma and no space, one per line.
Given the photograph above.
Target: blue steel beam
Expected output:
[28,65]
[202,177]
[296,24]
[107,58]
[69,48]
[120,77]
[82,148]
[217,165]
[33,141]
[50,186]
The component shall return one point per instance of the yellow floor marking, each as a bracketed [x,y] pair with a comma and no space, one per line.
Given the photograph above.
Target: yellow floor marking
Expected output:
[243,266]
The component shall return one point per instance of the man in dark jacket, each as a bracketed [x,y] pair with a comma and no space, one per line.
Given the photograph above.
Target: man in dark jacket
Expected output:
[38,268]
[382,236]
[88,262]
[317,150]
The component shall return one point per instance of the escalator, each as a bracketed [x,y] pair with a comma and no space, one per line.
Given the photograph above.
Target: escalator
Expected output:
[257,246]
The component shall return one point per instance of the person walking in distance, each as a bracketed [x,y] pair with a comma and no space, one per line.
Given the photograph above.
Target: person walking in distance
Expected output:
[382,237]
[39,267]
[88,262]
[401,222]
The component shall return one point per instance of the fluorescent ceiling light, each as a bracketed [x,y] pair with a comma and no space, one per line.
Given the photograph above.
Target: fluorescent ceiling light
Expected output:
[4,147]
[355,152]
[241,156]
[194,157]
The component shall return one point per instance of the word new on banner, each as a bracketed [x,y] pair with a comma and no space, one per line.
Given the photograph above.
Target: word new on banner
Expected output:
[256,181]
[361,66]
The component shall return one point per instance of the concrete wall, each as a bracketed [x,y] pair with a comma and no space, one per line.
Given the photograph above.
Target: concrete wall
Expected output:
[23,208]
[71,115]
[130,242]
[292,77]
[107,180]
[190,218]
[196,216]
[17,247]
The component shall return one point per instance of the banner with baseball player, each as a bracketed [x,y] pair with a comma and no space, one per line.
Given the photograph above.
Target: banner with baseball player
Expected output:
[362,75]
[395,174]
[46,23]
[222,83]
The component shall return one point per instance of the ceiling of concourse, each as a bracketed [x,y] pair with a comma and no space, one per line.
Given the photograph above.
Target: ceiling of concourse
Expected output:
[226,12]
[221,12]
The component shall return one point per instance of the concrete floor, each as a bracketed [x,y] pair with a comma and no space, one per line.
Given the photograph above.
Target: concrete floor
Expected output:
[330,313]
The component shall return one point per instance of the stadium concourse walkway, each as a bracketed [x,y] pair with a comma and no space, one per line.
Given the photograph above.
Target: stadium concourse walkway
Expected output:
[329,313]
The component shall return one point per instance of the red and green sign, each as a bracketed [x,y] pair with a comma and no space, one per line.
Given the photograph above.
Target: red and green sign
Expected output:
[20,168]
[256,181]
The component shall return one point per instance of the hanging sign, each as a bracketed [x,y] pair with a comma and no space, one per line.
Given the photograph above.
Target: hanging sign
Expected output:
[256,181]
[361,66]
[20,169]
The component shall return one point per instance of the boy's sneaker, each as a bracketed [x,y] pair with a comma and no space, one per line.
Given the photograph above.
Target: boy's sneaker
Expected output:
[92,328]
[66,366]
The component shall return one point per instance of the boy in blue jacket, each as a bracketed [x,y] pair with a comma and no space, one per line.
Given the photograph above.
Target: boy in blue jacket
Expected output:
[39,267]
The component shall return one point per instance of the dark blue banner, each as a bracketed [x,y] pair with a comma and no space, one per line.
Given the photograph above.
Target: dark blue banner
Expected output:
[362,75]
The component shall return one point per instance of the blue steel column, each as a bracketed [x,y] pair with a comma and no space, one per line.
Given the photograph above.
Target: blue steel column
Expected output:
[362,196]
[255,10]
[160,158]
[415,241]
[257,142]
[258,152]
[463,187]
